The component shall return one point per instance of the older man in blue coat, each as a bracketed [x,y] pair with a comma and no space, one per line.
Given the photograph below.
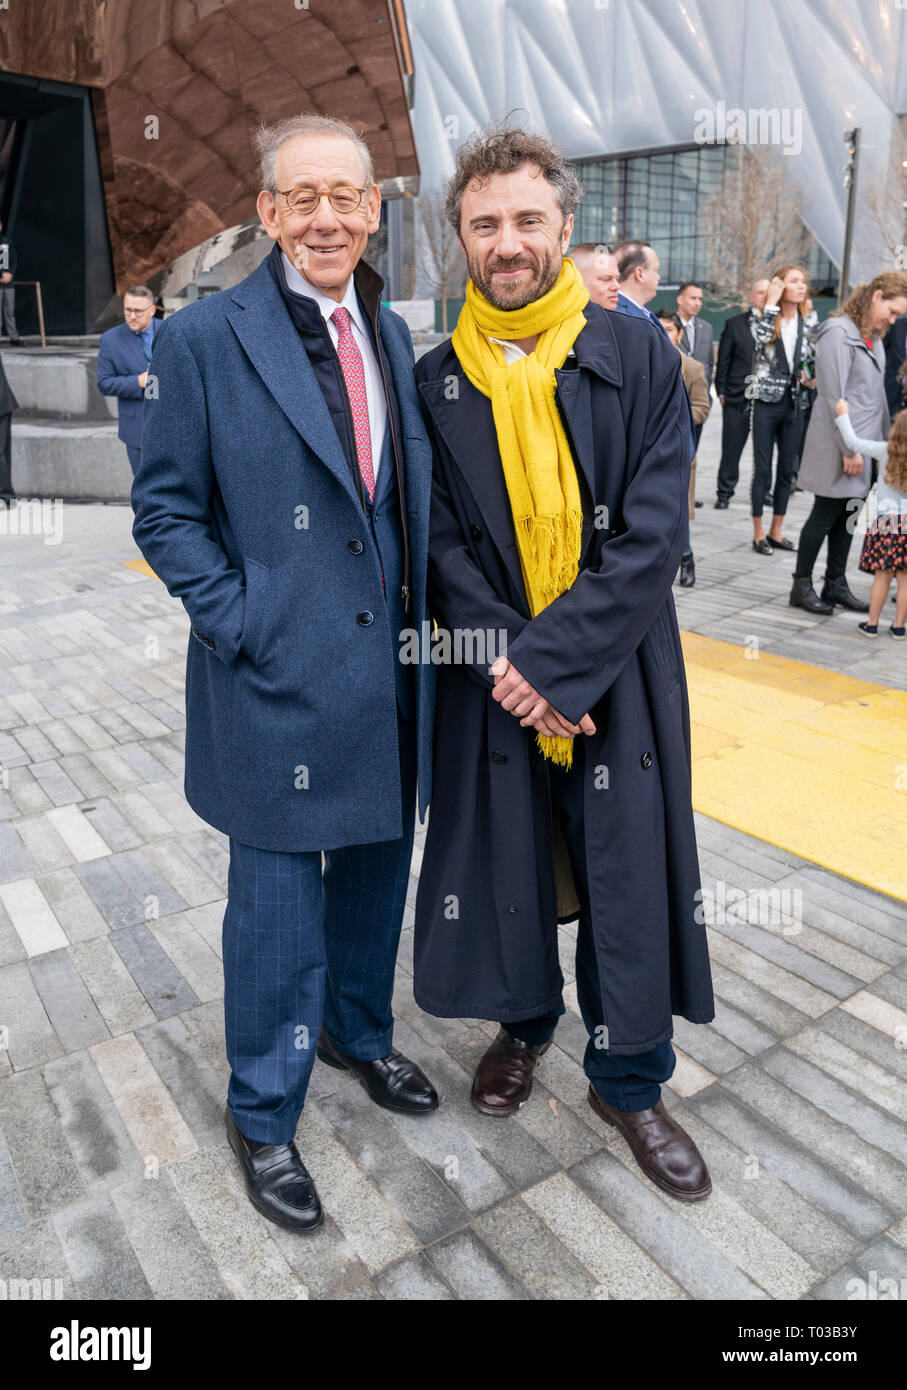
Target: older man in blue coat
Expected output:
[283,495]
[562,770]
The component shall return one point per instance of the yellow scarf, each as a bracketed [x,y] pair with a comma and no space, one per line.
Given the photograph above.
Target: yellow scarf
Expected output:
[539,471]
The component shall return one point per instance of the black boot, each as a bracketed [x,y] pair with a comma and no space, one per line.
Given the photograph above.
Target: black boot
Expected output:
[838,591]
[687,570]
[803,595]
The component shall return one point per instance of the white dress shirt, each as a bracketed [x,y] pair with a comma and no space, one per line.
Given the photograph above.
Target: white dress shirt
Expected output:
[374,384]
[788,335]
[512,351]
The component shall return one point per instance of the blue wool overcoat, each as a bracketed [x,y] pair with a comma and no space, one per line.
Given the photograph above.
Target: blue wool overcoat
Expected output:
[246,507]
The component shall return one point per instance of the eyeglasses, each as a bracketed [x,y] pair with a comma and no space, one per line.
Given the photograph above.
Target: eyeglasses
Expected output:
[304,201]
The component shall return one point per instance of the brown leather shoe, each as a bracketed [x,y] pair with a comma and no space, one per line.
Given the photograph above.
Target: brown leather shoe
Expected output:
[663,1150]
[503,1079]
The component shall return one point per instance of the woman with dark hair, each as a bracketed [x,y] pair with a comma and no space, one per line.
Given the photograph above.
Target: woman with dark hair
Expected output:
[781,378]
[850,364]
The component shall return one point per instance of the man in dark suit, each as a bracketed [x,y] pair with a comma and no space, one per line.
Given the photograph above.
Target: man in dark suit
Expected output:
[123,356]
[895,351]
[696,339]
[283,496]
[7,293]
[554,764]
[640,275]
[732,373]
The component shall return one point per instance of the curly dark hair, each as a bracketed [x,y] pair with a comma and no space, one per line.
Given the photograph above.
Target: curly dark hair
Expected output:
[500,147]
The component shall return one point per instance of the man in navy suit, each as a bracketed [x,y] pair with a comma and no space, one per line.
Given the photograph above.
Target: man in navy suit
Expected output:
[640,276]
[283,496]
[123,356]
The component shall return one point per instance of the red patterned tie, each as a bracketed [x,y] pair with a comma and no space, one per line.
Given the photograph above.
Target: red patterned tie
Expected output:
[354,376]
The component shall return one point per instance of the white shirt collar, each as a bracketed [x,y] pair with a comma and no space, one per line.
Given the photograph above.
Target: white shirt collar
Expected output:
[299,285]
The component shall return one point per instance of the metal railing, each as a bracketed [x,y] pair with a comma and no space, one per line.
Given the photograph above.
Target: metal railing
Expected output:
[14,285]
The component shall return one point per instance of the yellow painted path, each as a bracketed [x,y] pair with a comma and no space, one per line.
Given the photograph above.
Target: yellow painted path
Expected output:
[803,757]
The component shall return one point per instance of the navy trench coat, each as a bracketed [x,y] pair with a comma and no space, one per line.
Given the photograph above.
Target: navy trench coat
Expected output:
[487,906]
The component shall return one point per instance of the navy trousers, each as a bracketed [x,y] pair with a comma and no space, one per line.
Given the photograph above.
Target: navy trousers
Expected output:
[310,941]
[626,1083]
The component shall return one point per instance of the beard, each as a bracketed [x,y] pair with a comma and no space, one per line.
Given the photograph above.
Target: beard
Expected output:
[544,274]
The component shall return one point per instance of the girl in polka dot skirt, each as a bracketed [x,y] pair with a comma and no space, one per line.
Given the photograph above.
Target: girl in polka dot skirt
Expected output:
[885,544]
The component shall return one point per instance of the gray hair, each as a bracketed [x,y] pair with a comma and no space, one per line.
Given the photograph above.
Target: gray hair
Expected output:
[269,139]
[501,148]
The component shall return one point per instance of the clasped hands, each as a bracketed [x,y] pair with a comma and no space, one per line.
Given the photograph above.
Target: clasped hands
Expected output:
[518,697]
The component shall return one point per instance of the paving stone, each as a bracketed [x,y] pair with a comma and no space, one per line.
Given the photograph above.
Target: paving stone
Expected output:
[153,971]
[120,1003]
[184,875]
[72,906]
[799,1167]
[378,1234]
[35,1253]
[238,1239]
[113,898]
[668,1238]
[413,1280]
[66,1001]
[172,1257]
[61,789]
[30,1038]
[470,1269]
[195,1086]
[15,860]
[423,1198]
[190,953]
[94,1130]
[111,826]
[873,1082]
[879,1175]
[146,1107]
[78,834]
[755,1181]
[531,1251]
[47,1175]
[32,916]
[838,1102]
[44,845]
[12,1211]
[98,1251]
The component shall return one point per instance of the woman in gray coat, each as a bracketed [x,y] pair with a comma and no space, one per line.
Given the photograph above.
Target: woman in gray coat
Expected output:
[850,362]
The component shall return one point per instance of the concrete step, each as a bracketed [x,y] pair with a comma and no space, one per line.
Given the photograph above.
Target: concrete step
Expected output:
[61,385]
[70,458]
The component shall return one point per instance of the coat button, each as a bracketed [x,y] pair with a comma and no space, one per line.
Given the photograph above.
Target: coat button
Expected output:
[475,532]
[355,547]
[511,907]
[497,757]
[646,760]
[365,618]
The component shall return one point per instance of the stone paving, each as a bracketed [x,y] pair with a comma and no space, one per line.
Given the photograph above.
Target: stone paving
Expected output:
[115,1175]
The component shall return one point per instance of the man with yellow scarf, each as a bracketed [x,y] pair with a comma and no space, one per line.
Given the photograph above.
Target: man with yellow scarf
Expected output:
[561,439]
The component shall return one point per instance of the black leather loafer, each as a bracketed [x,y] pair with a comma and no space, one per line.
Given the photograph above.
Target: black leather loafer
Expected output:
[783,544]
[277,1181]
[393,1082]
[764,547]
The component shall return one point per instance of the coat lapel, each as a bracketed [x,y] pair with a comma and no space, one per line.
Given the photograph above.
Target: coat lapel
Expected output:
[264,328]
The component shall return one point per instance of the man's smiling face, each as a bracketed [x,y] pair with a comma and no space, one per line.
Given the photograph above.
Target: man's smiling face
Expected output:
[325,246]
[514,236]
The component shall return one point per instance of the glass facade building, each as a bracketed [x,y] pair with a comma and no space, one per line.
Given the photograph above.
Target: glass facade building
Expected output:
[659,197]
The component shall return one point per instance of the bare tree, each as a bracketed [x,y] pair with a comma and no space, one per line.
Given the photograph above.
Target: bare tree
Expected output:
[440,255]
[883,202]
[751,223]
